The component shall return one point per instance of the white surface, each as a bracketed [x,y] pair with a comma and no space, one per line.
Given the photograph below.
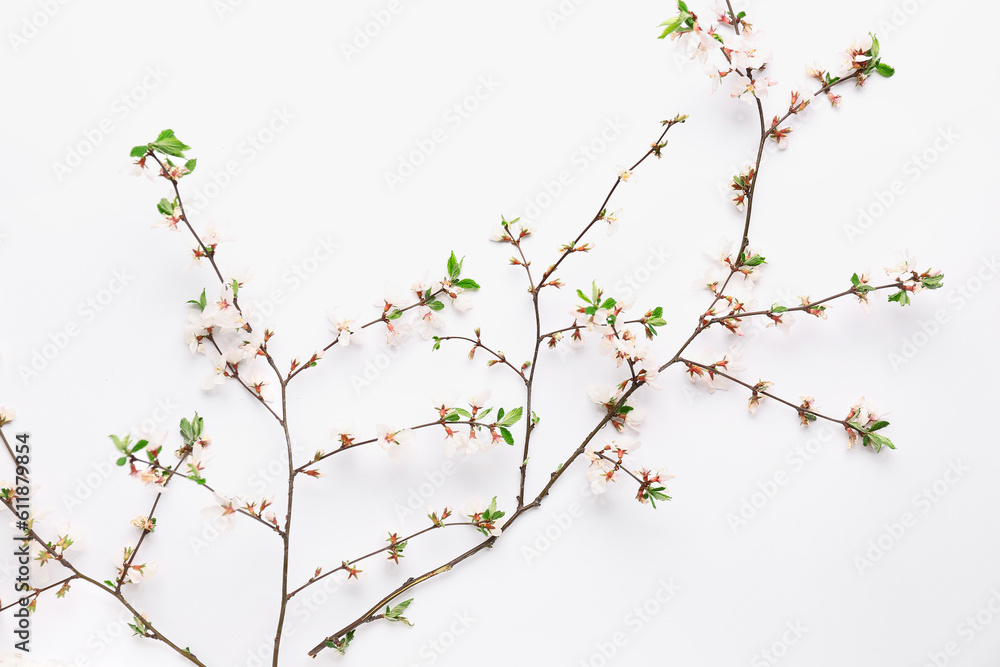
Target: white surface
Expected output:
[322,177]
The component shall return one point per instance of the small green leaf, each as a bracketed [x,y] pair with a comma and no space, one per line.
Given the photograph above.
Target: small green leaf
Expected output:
[511,417]
[467,283]
[122,461]
[434,305]
[507,436]
[670,26]
[902,297]
[190,165]
[885,70]
[201,301]
[139,151]
[454,266]
[165,207]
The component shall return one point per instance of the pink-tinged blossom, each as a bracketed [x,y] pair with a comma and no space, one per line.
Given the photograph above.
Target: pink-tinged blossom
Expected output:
[865,415]
[344,325]
[747,51]
[604,395]
[697,42]
[7,415]
[707,378]
[749,90]
[344,433]
[396,442]
[716,75]
[478,401]
[455,443]
[220,367]
[223,513]
[853,58]
[427,322]
[781,321]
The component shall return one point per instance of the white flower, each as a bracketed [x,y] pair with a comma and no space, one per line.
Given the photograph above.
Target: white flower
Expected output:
[462,301]
[7,415]
[625,174]
[747,51]
[343,432]
[223,313]
[697,42]
[602,394]
[783,323]
[258,379]
[612,220]
[137,573]
[427,322]
[456,442]
[853,57]
[343,325]
[599,472]
[395,334]
[223,513]
[716,75]
[709,379]
[220,366]
[478,401]
[395,442]
[749,90]
[196,331]
[903,268]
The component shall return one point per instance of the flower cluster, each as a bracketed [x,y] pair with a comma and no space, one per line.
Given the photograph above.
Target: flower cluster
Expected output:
[131,573]
[608,463]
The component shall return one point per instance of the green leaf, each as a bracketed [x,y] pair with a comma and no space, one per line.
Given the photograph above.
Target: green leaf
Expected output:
[933,282]
[885,70]
[397,611]
[507,437]
[778,309]
[608,304]
[878,425]
[168,144]
[394,314]
[165,207]
[670,26]
[190,165]
[434,305]
[467,283]
[656,322]
[755,260]
[139,151]
[873,52]
[139,445]
[582,295]
[855,280]
[201,301]
[122,461]
[454,266]
[902,297]
[511,417]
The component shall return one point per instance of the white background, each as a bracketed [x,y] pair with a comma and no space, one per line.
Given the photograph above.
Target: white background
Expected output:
[560,80]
